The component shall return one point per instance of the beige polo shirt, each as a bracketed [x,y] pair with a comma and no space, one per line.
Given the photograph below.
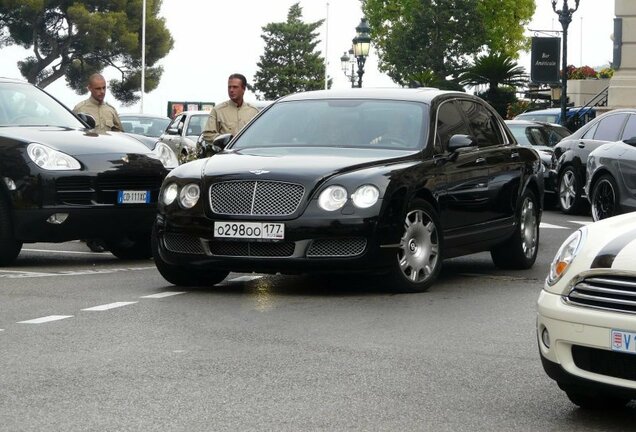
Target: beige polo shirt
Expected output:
[227,117]
[106,117]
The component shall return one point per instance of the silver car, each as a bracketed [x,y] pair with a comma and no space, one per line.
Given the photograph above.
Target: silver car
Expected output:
[182,133]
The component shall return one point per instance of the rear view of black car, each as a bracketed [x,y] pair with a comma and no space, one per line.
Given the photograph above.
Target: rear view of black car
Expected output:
[375,181]
[60,181]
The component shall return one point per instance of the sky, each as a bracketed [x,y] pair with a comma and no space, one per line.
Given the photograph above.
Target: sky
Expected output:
[213,39]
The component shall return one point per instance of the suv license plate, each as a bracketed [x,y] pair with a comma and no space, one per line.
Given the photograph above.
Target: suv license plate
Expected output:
[623,341]
[250,230]
[133,197]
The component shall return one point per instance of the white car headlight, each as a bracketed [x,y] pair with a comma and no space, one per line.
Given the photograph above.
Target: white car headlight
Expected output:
[165,154]
[332,198]
[170,194]
[365,196]
[564,257]
[49,159]
[189,195]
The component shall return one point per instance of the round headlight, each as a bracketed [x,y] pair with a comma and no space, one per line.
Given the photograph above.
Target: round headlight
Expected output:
[332,198]
[189,195]
[165,154]
[170,194]
[365,196]
[564,257]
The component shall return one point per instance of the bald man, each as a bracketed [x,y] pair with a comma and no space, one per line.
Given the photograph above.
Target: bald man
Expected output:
[106,117]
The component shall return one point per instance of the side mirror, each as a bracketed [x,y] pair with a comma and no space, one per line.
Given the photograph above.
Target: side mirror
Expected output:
[172,131]
[87,119]
[459,141]
[630,141]
[204,149]
[222,140]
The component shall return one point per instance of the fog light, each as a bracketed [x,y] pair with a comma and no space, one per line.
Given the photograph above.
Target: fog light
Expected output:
[545,337]
[10,183]
[57,218]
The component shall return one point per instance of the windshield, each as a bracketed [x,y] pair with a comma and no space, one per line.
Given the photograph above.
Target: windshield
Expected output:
[357,123]
[548,118]
[26,105]
[142,125]
[546,135]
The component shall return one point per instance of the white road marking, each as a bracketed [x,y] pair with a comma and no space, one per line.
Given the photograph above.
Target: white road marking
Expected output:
[64,252]
[163,294]
[550,226]
[244,278]
[582,222]
[45,319]
[27,274]
[108,306]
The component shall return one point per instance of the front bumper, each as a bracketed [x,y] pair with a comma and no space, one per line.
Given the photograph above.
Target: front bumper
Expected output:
[320,244]
[579,353]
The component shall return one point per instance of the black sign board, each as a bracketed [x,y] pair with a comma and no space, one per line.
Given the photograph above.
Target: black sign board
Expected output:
[544,60]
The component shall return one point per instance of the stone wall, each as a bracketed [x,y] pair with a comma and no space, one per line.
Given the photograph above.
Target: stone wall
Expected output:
[622,91]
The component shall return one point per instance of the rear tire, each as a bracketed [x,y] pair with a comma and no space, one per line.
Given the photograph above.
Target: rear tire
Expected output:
[520,251]
[182,275]
[9,246]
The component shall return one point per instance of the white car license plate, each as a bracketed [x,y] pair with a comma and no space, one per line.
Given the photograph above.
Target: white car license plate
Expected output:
[133,197]
[250,230]
[623,341]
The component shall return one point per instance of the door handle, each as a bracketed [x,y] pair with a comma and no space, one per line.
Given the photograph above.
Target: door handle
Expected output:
[480,160]
[581,144]
[514,156]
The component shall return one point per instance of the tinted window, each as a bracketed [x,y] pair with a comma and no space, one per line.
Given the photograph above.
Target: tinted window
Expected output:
[630,128]
[610,127]
[482,123]
[449,122]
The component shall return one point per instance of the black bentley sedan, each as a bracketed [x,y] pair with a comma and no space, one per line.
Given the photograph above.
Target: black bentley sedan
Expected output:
[59,181]
[376,181]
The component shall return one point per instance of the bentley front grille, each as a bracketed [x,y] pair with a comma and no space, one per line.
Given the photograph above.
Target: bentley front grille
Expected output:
[255,198]
[610,292]
[251,249]
[339,247]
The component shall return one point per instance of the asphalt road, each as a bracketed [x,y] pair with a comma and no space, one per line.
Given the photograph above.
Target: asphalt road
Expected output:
[92,343]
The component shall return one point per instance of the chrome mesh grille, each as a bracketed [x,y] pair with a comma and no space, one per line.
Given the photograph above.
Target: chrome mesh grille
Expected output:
[248,198]
[610,292]
[340,247]
[183,243]
[252,249]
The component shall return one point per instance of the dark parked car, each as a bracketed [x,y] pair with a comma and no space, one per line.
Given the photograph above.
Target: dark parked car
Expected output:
[573,151]
[376,181]
[611,179]
[576,116]
[60,181]
[542,137]
[144,124]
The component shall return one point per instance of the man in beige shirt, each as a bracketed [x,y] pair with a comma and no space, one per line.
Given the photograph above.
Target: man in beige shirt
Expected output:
[230,116]
[106,117]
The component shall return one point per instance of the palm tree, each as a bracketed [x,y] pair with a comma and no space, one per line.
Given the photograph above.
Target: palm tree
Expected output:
[494,69]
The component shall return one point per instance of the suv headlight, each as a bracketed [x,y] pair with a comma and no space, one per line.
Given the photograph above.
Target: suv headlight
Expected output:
[165,154]
[49,159]
[564,257]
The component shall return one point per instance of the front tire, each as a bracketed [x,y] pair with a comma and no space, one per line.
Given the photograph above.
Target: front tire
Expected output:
[9,246]
[520,251]
[604,198]
[569,191]
[182,275]
[130,247]
[419,258]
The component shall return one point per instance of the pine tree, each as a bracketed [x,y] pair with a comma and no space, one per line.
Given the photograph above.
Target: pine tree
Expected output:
[290,62]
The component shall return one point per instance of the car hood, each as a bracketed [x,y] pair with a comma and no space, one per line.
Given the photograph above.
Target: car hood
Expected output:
[294,162]
[76,141]
[610,244]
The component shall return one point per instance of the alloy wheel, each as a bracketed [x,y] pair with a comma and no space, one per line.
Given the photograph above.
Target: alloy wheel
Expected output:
[419,247]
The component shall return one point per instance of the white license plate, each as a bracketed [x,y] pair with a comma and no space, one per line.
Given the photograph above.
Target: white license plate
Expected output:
[623,341]
[250,230]
[133,197]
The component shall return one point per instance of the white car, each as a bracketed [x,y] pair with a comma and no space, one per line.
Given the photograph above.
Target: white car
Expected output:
[586,320]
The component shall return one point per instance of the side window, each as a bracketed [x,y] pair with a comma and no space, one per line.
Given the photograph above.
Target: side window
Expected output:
[630,128]
[482,123]
[449,122]
[590,133]
[175,122]
[609,128]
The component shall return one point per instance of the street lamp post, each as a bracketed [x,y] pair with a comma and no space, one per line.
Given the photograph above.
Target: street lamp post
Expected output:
[360,51]
[565,18]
